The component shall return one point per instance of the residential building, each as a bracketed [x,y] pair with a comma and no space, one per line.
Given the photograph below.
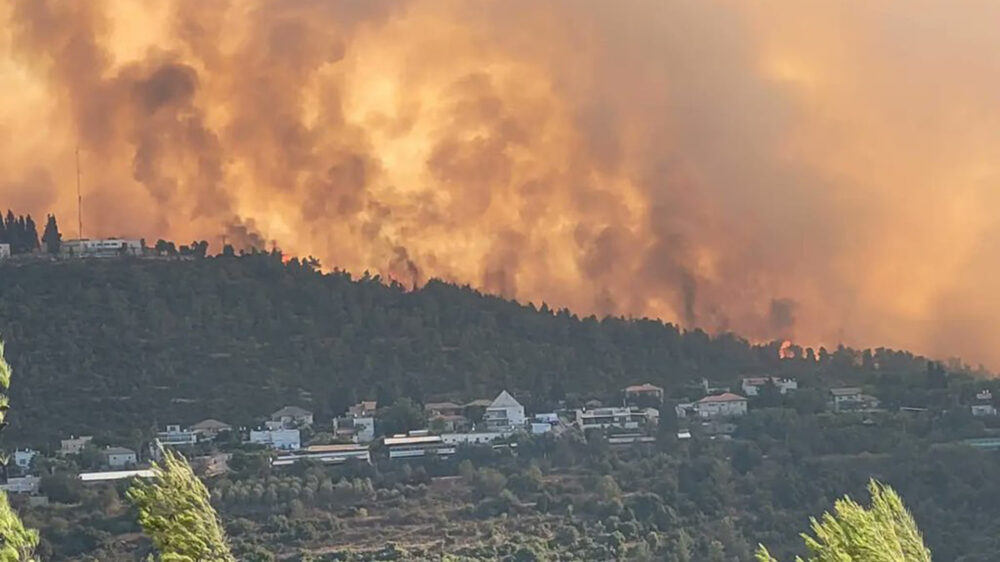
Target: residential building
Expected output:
[363,409]
[644,393]
[74,445]
[293,416]
[22,485]
[686,409]
[540,428]
[23,458]
[504,413]
[450,423]
[280,438]
[435,409]
[174,436]
[983,409]
[356,429]
[417,444]
[480,403]
[847,398]
[4,251]
[722,405]
[210,429]
[101,248]
[326,454]
[548,417]
[119,457]
[473,438]
[109,476]
[752,385]
[544,423]
[619,418]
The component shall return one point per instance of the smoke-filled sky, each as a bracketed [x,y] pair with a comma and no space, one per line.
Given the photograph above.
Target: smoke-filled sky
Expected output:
[819,171]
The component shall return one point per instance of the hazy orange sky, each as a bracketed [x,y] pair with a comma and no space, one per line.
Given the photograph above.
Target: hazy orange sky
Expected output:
[782,169]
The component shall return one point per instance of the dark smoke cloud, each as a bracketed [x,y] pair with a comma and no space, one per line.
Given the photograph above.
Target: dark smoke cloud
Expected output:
[815,173]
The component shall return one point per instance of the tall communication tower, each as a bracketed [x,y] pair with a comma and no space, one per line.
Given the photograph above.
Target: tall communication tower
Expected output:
[79,198]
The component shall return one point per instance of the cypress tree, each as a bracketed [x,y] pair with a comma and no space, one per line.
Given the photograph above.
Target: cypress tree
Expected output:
[51,237]
[30,235]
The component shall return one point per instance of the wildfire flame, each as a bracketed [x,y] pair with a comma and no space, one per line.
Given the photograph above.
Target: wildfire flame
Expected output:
[786,351]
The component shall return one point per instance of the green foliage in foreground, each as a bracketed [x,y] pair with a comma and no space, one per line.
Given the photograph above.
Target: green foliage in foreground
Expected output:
[885,532]
[18,543]
[175,511]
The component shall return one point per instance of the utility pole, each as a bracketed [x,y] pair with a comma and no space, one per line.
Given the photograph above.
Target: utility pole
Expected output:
[79,198]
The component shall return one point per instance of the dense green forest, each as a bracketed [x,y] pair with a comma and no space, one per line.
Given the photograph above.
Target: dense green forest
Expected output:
[123,345]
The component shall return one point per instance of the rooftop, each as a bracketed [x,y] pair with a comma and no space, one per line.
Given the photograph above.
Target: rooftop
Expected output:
[442,406]
[505,400]
[118,451]
[210,424]
[293,411]
[724,397]
[407,440]
[335,448]
[644,387]
[846,391]
[115,475]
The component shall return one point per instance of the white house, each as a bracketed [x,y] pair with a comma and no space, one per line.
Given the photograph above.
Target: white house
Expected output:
[504,413]
[752,385]
[983,409]
[101,248]
[293,416]
[119,457]
[722,405]
[74,445]
[23,485]
[175,436]
[210,429]
[359,429]
[22,458]
[282,439]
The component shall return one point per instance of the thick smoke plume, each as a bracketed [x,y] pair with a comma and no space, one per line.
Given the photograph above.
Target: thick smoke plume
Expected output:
[784,170]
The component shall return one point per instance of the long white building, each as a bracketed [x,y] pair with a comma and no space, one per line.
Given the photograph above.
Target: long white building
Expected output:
[101,248]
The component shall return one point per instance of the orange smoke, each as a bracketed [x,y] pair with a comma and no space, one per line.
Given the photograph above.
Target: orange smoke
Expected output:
[788,171]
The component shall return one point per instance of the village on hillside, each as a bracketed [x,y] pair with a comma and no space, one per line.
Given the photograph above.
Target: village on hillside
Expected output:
[293,435]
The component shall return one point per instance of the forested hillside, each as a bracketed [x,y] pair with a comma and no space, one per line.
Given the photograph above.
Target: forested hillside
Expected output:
[119,347]
[110,346]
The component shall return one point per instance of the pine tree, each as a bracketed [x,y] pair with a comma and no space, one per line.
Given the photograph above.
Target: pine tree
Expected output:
[885,532]
[176,512]
[51,237]
[17,544]
[30,235]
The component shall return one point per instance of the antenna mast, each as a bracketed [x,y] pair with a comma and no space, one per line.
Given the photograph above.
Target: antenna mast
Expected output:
[79,197]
